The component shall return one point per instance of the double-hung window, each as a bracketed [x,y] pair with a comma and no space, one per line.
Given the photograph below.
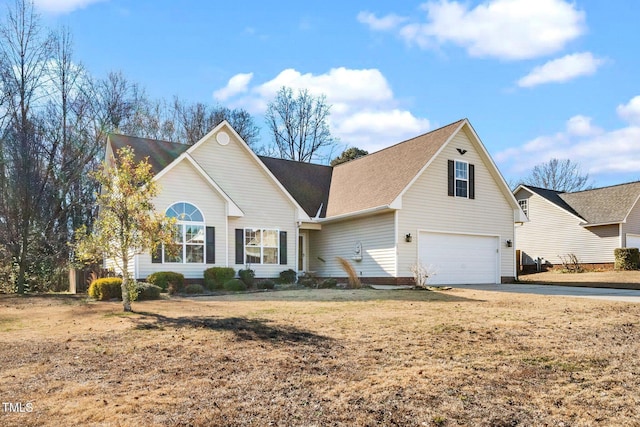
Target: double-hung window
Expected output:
[524,205]
[462,179]
[190,237]
[261,246]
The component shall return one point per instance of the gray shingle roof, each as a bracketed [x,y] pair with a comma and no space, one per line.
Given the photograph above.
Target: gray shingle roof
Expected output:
[308,183]
[604,205]
[160,153]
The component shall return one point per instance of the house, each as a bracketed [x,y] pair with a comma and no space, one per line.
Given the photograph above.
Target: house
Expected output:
[437,199]
[589,224]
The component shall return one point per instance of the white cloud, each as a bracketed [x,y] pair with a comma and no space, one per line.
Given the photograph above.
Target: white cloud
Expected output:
[599,152]
[504,29]
[387,22]
[63,6]
[562,69]
[630,111]
[236,85]
[364,111]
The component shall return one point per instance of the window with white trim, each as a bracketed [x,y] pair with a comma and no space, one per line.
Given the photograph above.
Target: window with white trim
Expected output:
[462,179]
[261,246]
[524,205]
[190,240]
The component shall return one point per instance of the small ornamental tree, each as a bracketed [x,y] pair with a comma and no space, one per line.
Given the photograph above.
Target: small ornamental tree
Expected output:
[127,222]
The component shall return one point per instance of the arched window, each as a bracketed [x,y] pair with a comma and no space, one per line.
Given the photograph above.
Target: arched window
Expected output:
[190,242]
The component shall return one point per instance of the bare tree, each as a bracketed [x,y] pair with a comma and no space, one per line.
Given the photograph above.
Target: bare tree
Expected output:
[559,175]
[27,158]
[299,124]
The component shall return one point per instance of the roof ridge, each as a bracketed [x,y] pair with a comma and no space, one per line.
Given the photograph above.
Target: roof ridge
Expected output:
[293,161]
[605,187]
[401,142]
[147,139]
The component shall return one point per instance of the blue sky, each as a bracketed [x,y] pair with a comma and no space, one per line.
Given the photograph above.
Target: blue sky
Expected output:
[536,78]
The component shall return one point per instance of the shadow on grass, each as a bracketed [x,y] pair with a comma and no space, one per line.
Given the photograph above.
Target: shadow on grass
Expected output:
[602,285]
[339,295]
[243,328]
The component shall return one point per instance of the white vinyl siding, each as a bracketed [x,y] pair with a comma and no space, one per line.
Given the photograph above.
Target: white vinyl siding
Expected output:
[264,204]
[339,239]
[184,184]
[632,226]
[427,206]
[553,232]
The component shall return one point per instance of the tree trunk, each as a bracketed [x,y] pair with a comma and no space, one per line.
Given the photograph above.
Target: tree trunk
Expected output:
[126,302]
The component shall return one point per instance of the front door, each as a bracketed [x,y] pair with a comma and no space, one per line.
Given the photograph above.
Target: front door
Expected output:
[302,253]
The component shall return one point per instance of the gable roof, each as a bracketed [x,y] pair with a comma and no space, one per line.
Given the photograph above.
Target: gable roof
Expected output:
[379,178]
[308,183]
[160,153]
[553,197]
[599,206]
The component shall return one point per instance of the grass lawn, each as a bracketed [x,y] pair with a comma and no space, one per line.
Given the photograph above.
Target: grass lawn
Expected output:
[322,357]
[595,279]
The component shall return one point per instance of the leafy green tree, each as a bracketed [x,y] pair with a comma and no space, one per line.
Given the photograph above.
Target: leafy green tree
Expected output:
[127,222]
[350,153]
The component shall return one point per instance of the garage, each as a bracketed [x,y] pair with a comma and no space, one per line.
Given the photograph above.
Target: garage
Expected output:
[459,258]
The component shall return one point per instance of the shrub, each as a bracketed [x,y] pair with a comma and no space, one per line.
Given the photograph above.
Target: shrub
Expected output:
[266,284]
[308,279]
[571,264]
[166,280]
[288,276]
[328,283]
[106,288]
[194,288]
[626,258]
[215,277]
[147,291]
[247,276]
[235,285]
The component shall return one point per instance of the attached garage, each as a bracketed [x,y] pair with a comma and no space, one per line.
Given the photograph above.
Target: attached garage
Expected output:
[460,258]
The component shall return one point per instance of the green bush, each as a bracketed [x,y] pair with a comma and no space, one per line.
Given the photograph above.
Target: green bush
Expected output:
[328,284]
[167,281]
[216,277]
[309,280]
[106,288]
[266,284]
[194,288]
[234,285]
[288,276]
[247,276]
[626,258]
[147,291]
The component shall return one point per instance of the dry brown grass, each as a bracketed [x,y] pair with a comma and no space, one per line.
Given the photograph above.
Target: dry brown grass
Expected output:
[323,357]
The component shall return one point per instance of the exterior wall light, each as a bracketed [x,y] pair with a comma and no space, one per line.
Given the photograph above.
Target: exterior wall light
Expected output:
[509,243]
[408,238]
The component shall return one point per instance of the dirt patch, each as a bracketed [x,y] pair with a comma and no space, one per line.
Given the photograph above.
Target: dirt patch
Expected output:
[324,357]
[595,279]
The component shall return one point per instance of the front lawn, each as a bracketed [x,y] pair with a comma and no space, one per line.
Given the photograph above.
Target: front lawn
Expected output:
[322,357]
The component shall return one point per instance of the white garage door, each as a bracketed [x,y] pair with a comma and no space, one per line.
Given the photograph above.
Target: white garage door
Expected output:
[633,240]
[459,258]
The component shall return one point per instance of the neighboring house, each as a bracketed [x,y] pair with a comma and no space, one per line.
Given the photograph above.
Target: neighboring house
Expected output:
[437,198]
[589,224]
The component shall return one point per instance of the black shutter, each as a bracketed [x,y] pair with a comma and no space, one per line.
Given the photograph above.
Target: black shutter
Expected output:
[283,247]
[452,181]
[239,246]
[211,245]
[472,182]
[156,255]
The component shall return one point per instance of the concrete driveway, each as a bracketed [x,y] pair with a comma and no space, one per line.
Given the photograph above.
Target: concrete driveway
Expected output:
[625,295]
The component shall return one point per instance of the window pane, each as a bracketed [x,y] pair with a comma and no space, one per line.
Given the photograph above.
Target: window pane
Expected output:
[270,256]
[194,233]
[195,253]
[270,238]
[252,237]
[252,255]
[173,253]
[461,170]
[179,233]
[461,188]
